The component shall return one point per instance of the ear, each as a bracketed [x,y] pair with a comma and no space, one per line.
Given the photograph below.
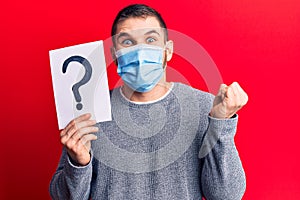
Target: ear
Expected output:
[113,55]
[169,49]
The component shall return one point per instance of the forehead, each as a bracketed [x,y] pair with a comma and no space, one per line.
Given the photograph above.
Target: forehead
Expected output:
[138,23]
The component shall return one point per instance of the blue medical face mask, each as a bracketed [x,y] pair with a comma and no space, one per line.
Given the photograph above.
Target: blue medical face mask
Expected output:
[140,66]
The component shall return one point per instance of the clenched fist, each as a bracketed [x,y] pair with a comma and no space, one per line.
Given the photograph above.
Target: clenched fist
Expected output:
[228,101]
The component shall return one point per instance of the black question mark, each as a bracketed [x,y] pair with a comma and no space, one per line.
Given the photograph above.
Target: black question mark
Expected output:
[85,78]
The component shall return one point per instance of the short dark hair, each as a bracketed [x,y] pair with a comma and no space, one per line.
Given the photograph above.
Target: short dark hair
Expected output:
[138,10]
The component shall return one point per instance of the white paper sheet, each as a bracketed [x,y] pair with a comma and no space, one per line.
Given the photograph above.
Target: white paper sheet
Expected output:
[94,94]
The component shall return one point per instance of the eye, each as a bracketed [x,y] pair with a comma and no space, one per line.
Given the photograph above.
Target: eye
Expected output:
[150,40]
[127,42]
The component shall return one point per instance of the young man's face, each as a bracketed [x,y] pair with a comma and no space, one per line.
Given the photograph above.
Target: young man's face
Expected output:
[139,30]
[133,31]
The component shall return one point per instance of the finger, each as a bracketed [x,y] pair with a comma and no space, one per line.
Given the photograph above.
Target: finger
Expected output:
[68,143]
[230,94]
[75,124]
[222,90]
[243,94]
[84,144]
[238,88]
[84,131]
[234,87]
[78,119]
[62,133]
[79,126]
[86,123]
[87,138]
[76,134]
[235,84]
[235,90]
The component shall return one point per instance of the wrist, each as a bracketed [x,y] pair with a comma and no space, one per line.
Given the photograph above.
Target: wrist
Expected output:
[80,163]
[219,115]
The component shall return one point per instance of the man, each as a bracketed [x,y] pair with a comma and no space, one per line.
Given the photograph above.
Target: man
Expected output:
[166,140]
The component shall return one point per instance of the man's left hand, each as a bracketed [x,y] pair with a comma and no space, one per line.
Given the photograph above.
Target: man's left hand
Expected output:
[228,101]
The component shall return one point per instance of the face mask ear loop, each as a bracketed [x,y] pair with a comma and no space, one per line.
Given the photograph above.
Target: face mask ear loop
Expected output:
[165,60]
[165,57]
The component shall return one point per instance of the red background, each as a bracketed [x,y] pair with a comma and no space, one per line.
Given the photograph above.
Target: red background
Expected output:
[254,42]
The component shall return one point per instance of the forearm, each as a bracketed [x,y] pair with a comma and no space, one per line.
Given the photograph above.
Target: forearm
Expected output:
[223,176]
[71,181]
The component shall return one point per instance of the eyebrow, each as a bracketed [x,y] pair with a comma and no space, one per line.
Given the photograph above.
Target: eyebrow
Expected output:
[152,31]
[123,34]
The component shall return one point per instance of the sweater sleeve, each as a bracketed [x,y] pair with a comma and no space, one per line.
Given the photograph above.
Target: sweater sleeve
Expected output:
[222,175]
[71,181]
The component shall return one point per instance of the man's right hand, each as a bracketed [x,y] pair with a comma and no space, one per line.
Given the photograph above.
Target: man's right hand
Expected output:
[77,137]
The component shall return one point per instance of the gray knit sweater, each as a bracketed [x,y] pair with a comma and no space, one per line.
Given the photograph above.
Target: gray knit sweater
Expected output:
[170,149]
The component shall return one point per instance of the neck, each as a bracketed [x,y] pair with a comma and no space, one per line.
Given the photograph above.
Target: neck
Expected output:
[157,92]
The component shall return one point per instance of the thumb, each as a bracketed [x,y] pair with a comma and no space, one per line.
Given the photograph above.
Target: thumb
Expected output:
[222,90]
